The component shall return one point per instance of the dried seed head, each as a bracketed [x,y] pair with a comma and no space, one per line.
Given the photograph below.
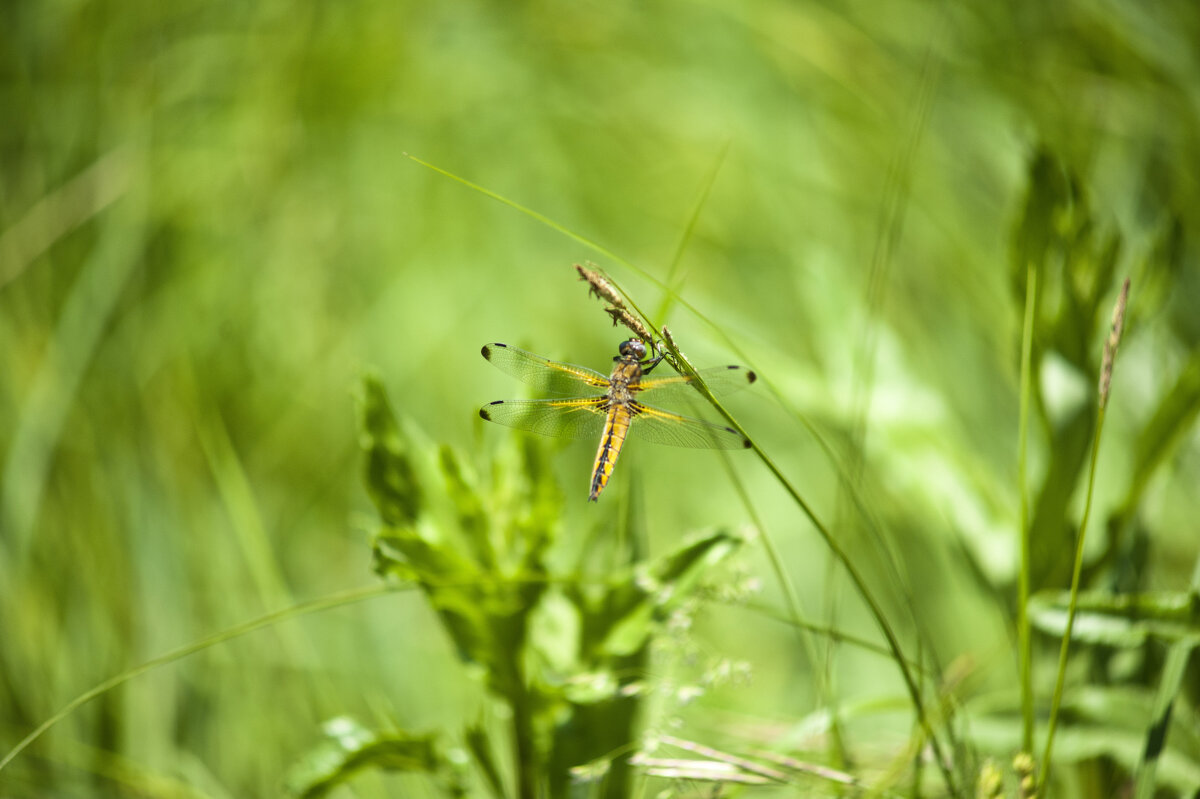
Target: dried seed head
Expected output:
[599,286]
[1114,339]
[630,321]
[671,341]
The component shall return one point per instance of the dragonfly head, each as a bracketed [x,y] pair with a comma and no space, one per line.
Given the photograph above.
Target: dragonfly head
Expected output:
[633,348]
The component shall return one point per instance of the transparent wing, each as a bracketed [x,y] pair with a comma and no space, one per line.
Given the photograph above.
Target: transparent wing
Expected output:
[663,427]
[571,418]
[544,374]
[721,380]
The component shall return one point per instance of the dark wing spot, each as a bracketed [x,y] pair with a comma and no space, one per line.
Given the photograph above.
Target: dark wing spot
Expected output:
[487,349]
[745,441]
[483,414]
[750,376]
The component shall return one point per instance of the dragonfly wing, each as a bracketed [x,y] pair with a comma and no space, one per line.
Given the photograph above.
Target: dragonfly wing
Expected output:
[664,427]
[544,374]
[571,418]
[721,380]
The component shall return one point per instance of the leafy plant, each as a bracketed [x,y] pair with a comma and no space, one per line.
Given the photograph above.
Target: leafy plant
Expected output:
[565,653]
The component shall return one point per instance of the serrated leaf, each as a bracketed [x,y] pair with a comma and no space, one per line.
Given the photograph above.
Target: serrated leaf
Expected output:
[468,508]
[390,478]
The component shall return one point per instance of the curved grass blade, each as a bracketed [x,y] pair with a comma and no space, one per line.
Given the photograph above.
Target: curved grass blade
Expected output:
[673,280]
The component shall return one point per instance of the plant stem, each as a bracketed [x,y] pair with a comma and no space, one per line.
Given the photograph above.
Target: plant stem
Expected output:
[1072,606]
[1024,640]
[1106,371]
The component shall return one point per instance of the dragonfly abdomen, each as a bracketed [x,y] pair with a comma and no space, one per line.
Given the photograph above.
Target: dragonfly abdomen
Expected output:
[616,428]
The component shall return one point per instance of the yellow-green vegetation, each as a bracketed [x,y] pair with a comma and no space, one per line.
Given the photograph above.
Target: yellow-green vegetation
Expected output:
[255,540]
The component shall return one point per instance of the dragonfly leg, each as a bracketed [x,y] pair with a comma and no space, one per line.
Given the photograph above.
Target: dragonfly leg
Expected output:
[650,364]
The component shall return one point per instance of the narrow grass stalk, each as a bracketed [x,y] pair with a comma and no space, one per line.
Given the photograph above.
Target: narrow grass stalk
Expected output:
[1024,639]
[673,279]
[586,242]
[1060,679]
[1110,351]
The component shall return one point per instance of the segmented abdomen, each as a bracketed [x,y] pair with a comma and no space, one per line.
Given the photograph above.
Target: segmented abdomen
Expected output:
[615,429]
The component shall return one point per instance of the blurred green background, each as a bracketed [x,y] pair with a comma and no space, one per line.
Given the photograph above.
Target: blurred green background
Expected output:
[209,229]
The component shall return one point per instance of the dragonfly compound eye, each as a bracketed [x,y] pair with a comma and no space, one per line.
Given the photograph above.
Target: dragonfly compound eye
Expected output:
[633,347]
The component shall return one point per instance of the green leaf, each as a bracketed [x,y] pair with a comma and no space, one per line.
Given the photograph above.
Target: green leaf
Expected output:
[1050,542]
[646,595]
[468,507]
[450,582]
[555,632]
[1105,722]
[1119,620]
[1112,721]
[391,479]
[350,748]
[1172,419]
[1050,192]
[481,749]
[538,506]
[1157,732]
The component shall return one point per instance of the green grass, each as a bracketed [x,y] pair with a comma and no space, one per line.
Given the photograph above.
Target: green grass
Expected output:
[210,230]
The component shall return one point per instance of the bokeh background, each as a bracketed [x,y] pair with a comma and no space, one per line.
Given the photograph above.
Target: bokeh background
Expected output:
[209,229]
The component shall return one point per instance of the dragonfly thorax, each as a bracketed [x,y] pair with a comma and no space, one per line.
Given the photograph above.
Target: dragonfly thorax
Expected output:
[623,381]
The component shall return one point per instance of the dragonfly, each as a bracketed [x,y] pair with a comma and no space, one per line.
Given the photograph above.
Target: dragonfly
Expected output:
[590,404]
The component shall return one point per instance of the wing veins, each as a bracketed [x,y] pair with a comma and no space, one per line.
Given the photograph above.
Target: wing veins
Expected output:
[663,427]
[553,377]
[579,417]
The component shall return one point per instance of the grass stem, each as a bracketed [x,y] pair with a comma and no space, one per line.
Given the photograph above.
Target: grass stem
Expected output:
[1110,352]
[1024,640]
